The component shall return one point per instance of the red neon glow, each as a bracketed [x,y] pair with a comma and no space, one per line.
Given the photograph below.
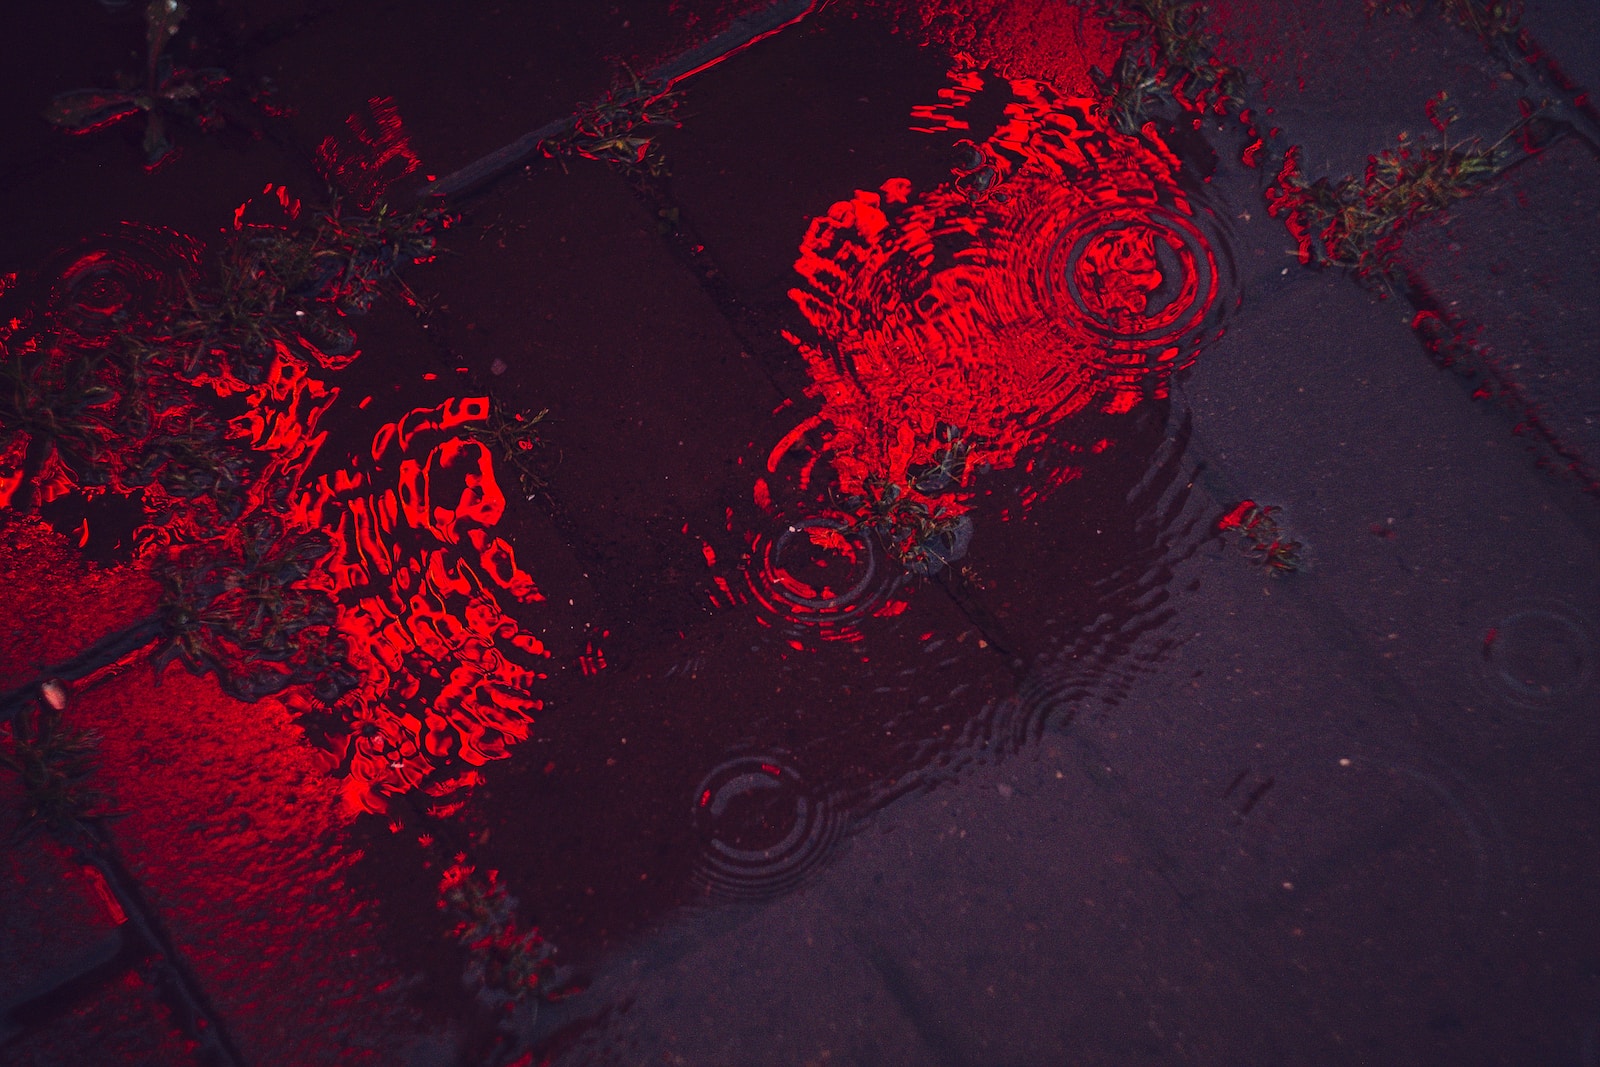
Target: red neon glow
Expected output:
[593,659]
[1059,270]
[1057,43]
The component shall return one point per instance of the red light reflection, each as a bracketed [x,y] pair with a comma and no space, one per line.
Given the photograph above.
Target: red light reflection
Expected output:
[445,672]
[1060,269]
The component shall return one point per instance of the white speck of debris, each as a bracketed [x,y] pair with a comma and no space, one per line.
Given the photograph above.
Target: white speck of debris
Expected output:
[54,693]
[497,367]
[1344,762]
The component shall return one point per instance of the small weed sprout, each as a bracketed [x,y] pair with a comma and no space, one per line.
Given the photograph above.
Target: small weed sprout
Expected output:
[275,286]
[514,439]
[1168,57]
[54,405]
[506,964]
[1358,224]
[919,531]
[241,606]
[1261,538]
[621,127]
[122,414]
[55,763]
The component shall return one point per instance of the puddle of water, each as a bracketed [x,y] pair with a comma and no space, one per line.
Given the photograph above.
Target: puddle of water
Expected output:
[823,573]
[961,340]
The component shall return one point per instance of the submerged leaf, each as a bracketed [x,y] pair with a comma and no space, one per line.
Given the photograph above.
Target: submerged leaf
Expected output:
[161,20]
[87,109]
[156,143]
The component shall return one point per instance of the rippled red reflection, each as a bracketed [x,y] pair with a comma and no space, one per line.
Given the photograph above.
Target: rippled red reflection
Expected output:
[446,674]
[1060,269]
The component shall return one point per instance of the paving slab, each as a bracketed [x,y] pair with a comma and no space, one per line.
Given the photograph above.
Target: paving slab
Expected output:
[1346,80]
[61,927]
[125,1021]
[1513,269]
[233,836]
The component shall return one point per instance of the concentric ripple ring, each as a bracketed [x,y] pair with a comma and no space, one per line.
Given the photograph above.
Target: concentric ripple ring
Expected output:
[761,828]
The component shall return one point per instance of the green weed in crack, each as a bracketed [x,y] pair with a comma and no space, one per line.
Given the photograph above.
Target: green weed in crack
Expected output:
[1261,538]
[515,440]
[1167,59]
[105,416]
[622,127]
[1358,224]
[275,286]
[58,406]
[241,606]
[54,764]
[507,964]
[129,412]
[1551,104]
[190,459]
[914,527]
